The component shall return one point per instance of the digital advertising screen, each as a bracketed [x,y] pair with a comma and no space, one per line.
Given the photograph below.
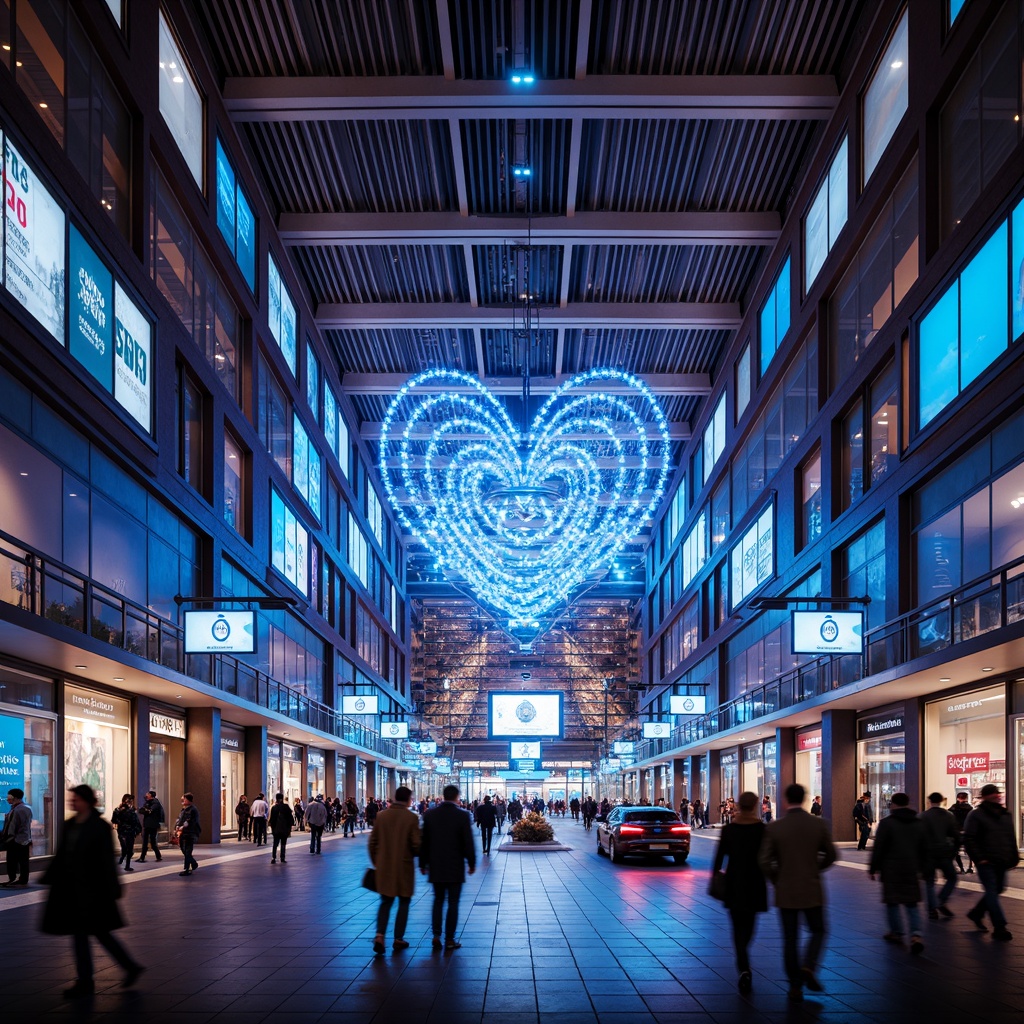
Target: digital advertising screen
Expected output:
[687,705]
[220,632]
[530,749]
[524,715]
[394,730]
[828,632]
[427,747]
[443,765]
[360,704]
[657,730]
[623,747]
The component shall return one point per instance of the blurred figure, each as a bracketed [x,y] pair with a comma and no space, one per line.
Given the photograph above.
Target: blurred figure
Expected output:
[991,843]
[84,892]
[152,812]
[900,856]
[188,829]
[126,820]
[486,818]
[282,821]
[446,849]
[960,810]
[242,813]
[18,836]
[943,842]
[746,894]
[394,843]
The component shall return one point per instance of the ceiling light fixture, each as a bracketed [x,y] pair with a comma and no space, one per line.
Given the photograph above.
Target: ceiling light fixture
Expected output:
[522,172]
[944,679]
[522,78]
[988,668]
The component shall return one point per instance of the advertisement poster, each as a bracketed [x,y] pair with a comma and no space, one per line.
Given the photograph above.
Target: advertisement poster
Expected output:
[12,754]
[133,343]
[34,251]
[91,321]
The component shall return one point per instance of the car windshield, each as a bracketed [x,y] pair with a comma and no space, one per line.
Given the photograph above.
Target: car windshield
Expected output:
[652,815]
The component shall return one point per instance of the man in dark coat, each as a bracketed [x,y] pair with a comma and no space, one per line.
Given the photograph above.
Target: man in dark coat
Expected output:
[900,856]
[486,818]
[84,892]
[797,847]
[282,821]
[943,842]
[991,843]
[864,817]
[152,812]
[447,846]
[188,830]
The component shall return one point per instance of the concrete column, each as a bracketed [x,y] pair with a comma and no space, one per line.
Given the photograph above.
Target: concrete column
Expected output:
[785,761]
[839,771]
[714,797]
[913,729]
[351,776]
[642,794]
[659,782]
[202,769]
[371,780]
[255,761]
[140,767]
[330,774]
[679,787]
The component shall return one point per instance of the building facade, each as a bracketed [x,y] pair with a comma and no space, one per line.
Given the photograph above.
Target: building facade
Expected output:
[173,436]
[865,440]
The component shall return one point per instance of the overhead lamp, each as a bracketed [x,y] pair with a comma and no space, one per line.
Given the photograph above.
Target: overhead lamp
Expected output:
[522,172]
[522,78]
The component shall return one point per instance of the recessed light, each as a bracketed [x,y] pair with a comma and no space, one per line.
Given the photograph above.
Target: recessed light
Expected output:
[944,679]
[988,668]
[177,696]
[118,679]
[896,65]
[81,666]
[44,106]
[23,474]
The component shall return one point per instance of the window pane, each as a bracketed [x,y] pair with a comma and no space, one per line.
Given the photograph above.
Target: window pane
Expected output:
[853,457]
[40,53]
[192,434]
[938,357]
[938,557]
[885,101]
[225,197]
[245,239]
[983,316]
[180,103]
[811,499]
[1008,517]
[1017,267]
[172,252]
[884,420]
[838,191]
[816,236]
[743,364]
[312,382]
[233,494]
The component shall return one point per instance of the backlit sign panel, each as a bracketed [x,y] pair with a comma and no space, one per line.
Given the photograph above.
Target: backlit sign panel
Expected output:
[220,632]
[687,705]
[656,730]
[359,704]
[521,714]
[394,730]
[820,632]
[528,749]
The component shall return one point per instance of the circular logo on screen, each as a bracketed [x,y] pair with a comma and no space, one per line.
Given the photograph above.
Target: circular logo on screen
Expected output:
[526,712]
[688,704]
[393,728]
[360,704]
[220,629]
[829,630]
[657,730]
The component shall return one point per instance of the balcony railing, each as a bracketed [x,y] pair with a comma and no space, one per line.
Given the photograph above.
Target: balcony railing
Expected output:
[986,604]
[54,591]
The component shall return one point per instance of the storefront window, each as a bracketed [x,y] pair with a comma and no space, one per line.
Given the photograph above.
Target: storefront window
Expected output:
[273,769]
[97,744]
[730,766]
[315,776]
[965,742]
[291,763]
[881,758]
[232,776]
[27,747]
[753,770]
[808,762]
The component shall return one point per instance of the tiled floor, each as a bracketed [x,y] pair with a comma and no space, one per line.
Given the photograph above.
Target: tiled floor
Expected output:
[565,938]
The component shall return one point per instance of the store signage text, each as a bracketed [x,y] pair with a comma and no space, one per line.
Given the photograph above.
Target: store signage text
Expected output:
[85,706]
[957,764]
[810,741]
[12,754]
[229,743]
[166,725]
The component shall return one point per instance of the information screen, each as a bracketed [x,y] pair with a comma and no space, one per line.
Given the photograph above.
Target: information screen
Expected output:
[527,715]
[687,705]
[360,704]
[656,730]
[530,749]
[623,747]
[428,747]
[220,632]
[394,730]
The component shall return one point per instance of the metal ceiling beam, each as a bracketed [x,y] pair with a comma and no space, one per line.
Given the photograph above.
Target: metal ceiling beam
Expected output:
[677,431]
[660,383]
[714,316]
[604,97]
[605,228]
[600,461]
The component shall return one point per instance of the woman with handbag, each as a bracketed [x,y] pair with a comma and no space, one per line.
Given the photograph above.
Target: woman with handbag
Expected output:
[126,820]
[741,887]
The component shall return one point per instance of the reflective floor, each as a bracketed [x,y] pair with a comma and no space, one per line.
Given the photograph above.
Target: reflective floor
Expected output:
[565,938]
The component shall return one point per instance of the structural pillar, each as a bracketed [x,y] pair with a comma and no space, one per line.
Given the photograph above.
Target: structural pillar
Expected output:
[202,769]
[642,794]
[330,774]
[659,782]
[351,776]
[839,771]
[680,771]
[371,780]
[255,760]
[913,782]
[141,753]
[714,797]
[785,764]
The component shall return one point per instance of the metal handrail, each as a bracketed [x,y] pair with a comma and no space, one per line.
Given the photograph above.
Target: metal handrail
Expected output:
[989,602]
[50,589]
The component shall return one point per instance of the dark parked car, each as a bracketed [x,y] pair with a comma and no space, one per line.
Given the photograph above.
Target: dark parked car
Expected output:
[651,831]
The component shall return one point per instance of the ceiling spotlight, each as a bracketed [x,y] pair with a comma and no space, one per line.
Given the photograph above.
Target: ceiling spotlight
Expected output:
[522,78]
[521,172]
[944,679]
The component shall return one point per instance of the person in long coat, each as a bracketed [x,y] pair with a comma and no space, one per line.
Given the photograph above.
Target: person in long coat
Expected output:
[746,893]
[282,821]
[84,890]
[900,857]
[394,844]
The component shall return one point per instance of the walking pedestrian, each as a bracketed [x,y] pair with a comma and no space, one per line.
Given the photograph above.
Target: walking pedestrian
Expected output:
[766,810]
[991,843]
[84,890]
[746,894]
[486,818]
[282,821]
[316,819]
[125,820]
[864,816]
[153,817]
[960,810]
[943,841]
[260,811]
[242,813]
[350,817]
[446,849]
[900,856]
[589,810]
[394,844]
[17,836]
[797,847]
[684,811]
[300,814]
[816,807]
[188,829]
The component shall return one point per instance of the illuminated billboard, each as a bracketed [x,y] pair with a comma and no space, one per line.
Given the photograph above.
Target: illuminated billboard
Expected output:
[220,632]
[394,730]
[657,730]
[529,749]
[525,715]
[360,704]
[687,705]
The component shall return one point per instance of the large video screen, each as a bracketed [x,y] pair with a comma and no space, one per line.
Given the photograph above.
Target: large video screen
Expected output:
[528,749]
[656,730]
[527,715]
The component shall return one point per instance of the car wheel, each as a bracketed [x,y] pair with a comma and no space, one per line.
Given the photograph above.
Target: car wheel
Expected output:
[613,852]
[680,858]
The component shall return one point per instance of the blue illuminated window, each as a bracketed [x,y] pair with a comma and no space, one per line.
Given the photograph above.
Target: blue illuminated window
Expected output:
[955,7]
[281,314]
[775,317]
[886,98]
[235,218]
[826,216]
[966,330]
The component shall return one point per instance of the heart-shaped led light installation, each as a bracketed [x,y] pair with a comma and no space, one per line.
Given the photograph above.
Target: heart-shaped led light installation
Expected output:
[524,520]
